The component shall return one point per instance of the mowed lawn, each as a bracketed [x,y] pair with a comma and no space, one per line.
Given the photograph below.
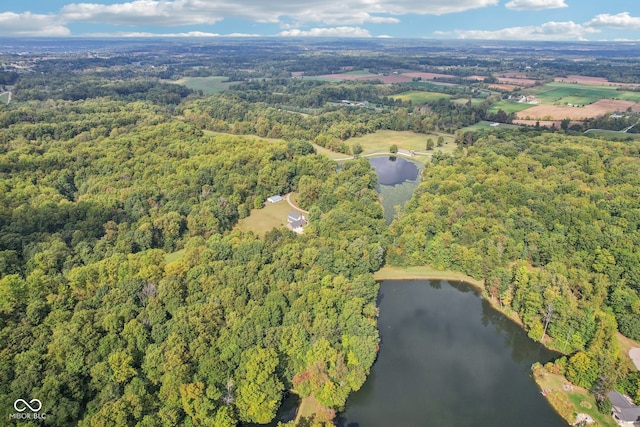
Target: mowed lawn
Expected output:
[382,140]
[260,221]
[421,97]
[208,85]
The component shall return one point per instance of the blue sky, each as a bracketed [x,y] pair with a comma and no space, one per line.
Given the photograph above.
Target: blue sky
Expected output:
[459,19]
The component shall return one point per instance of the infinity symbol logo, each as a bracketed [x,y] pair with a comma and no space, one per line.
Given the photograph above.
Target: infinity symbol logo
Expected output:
[26,405]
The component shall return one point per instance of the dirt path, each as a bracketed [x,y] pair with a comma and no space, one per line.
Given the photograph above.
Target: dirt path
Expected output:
[294,206]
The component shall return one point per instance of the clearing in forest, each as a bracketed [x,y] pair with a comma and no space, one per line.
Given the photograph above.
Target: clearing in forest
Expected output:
[208,85]
[420,97]
[260,221]
[382,140]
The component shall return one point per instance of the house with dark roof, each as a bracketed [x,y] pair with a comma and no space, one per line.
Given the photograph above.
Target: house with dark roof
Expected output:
[295,216]
[624,411]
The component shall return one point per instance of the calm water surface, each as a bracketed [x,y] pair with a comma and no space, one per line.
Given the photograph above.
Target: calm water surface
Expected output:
[448,359]
[398,178]
[394,170]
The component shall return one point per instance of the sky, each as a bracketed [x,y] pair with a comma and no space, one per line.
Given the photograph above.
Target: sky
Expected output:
[570,20]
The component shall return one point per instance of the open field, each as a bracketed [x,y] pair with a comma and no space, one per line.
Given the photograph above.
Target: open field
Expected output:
[588,80]
[517,81]
[579,94]
[357,75]
[543,123]
[612,134]
[571,400]
[428,76]
[208,85]
[487,125]
[381,141]
[474,101]
[504,86]
[273,215]
[419,97]
[560,112]
[509,107]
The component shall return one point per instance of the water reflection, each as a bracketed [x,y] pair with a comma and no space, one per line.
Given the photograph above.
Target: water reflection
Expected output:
[448,359]
[392,170]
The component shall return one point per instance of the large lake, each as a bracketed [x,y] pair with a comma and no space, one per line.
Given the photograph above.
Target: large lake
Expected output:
[448,359]
[398,178]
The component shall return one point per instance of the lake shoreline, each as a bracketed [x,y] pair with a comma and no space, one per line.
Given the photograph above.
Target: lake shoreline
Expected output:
[428,273]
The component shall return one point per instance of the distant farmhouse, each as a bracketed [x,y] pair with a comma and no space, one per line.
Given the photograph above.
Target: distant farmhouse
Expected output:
[296,221]
[624,411]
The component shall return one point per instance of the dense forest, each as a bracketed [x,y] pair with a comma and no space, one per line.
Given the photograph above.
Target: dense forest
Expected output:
[94,317]
[552,224]
[129,297]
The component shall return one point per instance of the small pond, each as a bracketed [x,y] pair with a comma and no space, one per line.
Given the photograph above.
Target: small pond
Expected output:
[398,178]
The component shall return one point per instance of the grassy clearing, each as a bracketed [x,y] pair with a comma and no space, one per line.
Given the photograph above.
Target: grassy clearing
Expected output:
[260,221]
[627,344]
[330,154]
[613,135]
[358,72]
[4,98]
[208,85]
[462,101]
[569,403]
[509,107]
[420,97]
[251,137]
[311,410]
[383,139]
[174,256]
[424,272]
[487,125]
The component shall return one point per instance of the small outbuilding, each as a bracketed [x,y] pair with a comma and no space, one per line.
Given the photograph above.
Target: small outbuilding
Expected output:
[274,199]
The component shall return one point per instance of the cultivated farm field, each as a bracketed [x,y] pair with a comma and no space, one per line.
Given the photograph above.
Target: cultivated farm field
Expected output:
[419,97]
[560,112]
[579,94]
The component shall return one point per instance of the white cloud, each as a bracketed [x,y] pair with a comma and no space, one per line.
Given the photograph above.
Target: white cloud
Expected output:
[535,4]
[548,31]
[327,12]
[30,24]
[621,20]
[141,12]
[147,34]
[327,32]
